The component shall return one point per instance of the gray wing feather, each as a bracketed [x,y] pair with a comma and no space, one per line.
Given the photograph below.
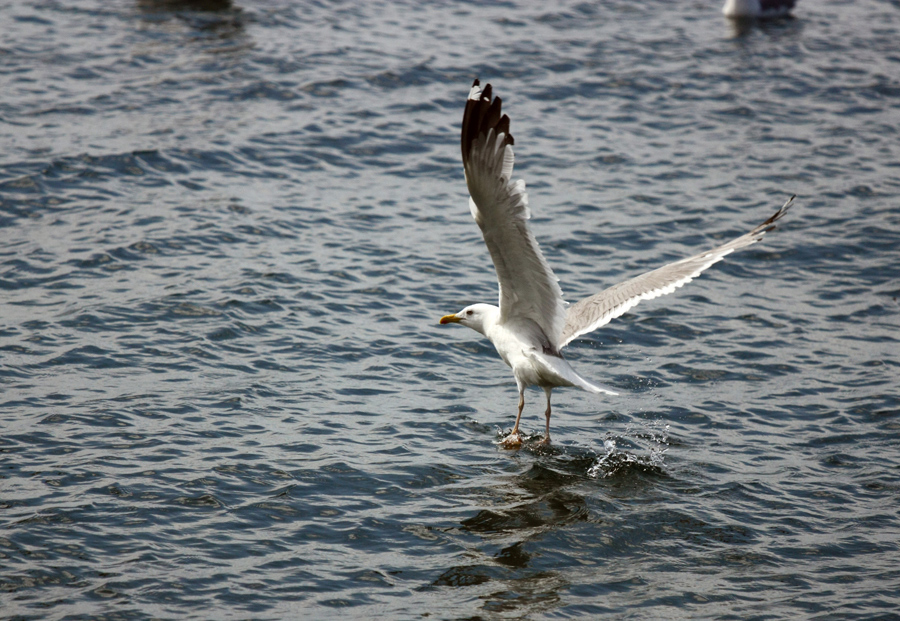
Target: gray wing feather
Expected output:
[598,310]
[528,287]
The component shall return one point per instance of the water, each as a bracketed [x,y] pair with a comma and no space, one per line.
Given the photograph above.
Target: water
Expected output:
[228,231]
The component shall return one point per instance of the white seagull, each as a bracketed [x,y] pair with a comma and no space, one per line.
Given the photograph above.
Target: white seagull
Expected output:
[744,9]
[532,323]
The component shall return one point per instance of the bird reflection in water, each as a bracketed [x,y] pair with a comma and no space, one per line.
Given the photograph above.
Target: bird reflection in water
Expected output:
[220,20]
[512,566]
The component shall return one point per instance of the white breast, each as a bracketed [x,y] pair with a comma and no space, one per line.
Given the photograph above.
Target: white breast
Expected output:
[517,346]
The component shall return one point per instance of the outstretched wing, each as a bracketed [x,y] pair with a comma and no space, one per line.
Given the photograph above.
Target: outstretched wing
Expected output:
[528,287]
[598,310]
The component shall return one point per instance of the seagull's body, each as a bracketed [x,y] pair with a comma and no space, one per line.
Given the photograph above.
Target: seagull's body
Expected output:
[532,323]
[744,9]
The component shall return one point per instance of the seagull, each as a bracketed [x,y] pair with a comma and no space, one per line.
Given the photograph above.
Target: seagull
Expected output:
[532,324]
[743,9]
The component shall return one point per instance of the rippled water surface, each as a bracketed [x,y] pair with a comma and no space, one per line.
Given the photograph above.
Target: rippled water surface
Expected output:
[229,229]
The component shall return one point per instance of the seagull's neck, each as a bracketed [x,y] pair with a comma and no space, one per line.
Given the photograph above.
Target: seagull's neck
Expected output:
[490,319]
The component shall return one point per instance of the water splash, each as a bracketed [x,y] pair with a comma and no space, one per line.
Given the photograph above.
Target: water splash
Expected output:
[647,443]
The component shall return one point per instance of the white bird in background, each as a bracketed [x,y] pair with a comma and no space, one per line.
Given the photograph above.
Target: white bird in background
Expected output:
[532,323]
[757,8]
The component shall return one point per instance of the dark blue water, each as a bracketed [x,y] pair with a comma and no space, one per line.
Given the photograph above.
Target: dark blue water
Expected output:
[228,231]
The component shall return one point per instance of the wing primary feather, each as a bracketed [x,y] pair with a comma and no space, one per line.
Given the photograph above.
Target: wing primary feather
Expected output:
[503,127]
[470,120]
[492,114]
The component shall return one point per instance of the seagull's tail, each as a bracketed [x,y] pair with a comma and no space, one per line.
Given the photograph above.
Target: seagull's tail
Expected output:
[559,367]
[591,387]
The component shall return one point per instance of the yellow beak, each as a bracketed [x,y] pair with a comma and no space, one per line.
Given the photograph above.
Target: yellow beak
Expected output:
[449,319]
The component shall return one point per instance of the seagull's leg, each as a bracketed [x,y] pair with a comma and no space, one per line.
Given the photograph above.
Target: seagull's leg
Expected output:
[547,391]
[514,439]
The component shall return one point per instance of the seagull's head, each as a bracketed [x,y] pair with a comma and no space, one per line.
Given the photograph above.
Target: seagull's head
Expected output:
[476,316]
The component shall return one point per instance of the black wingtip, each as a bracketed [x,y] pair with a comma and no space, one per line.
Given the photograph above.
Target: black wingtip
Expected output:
[482,114]
[784,208]
[769,224]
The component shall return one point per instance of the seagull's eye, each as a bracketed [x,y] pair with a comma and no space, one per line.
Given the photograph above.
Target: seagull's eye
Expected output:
[469,313]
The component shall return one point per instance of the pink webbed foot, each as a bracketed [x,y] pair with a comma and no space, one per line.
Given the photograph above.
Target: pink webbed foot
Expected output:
[512,441]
